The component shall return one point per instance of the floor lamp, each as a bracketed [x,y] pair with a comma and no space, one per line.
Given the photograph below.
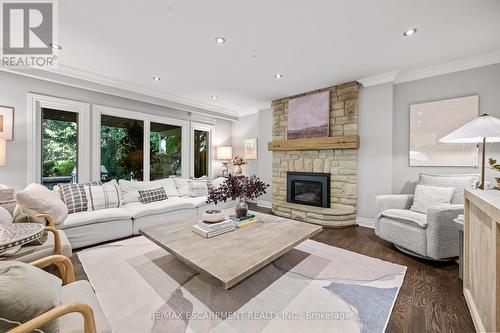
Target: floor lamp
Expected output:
[483,129]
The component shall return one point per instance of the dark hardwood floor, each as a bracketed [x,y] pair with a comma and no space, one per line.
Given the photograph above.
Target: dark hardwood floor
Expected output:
[431,298]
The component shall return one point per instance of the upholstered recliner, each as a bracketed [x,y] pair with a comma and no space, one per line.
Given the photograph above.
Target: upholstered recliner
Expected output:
[432,235]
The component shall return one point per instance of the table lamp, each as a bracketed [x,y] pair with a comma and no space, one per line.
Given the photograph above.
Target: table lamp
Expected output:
[225,154]
[483,129]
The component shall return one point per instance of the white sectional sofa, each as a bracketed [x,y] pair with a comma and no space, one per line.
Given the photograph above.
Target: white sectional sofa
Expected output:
[93,227]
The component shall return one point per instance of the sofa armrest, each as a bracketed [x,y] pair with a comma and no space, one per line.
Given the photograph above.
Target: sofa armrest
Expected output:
[84,309]
[393,201]
[442,235]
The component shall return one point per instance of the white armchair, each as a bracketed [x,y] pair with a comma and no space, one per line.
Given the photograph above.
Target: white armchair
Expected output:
[432,235]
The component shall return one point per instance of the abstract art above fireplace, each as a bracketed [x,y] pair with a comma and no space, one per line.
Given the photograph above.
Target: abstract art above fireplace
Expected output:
[309,116]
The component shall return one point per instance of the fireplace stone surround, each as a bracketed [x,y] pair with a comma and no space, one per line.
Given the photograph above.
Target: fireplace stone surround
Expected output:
[340,164]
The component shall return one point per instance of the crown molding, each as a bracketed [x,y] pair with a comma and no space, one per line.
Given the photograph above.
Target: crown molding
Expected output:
[74,77]
[379,79]
[451,67]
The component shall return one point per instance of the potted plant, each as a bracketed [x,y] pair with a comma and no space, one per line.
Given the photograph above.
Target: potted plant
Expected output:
[240,189]
[494,165]
[237,162]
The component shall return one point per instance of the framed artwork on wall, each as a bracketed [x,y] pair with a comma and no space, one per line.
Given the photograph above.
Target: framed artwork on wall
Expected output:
[6,122]
[250,149]
[431,121]
[309,116]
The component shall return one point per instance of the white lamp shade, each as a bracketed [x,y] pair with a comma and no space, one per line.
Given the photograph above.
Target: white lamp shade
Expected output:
[3,151]
[474,131]
[224,153]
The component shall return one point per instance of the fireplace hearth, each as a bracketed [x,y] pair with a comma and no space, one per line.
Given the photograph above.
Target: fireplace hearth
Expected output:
[309,188]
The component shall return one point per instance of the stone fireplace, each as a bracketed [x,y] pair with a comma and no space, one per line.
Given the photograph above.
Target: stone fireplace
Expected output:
[295,194]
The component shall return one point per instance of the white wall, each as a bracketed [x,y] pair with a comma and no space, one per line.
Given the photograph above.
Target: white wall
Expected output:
[375,150]
[258,126]
[13,92]
[221,136]
[246,127]
[484,81]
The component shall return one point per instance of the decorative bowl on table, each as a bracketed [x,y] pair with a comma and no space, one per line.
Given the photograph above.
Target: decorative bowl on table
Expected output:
[213,216]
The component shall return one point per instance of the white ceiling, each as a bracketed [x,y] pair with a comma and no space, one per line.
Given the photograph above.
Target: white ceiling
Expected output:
[313,43]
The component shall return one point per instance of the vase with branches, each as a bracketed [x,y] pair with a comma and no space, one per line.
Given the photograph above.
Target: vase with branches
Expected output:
[240,189]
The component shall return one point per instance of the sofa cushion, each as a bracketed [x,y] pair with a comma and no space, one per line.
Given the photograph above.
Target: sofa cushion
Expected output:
[82,292]
[430,196]
[104,196]
[406,216]
[198,188]
[156,194]
[137,209]
[25,293]
[458,181]
[130,189]
[37,199]
[96,216]
[198,201]
[182,186]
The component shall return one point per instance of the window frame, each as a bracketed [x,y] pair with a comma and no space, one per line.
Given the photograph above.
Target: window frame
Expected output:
[99,110]
[34,150]
[195,126]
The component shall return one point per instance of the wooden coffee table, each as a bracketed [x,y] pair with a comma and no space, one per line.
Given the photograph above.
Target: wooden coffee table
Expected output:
[232,257]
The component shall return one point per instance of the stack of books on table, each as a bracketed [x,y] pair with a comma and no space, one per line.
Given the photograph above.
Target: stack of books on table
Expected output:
[243,221]
[209,230]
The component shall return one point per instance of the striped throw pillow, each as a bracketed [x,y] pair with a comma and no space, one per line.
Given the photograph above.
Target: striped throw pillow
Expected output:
[74,197]
[104,196]
[157,194]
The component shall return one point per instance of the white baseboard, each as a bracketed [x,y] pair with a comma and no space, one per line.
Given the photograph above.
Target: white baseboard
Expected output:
[366,222]
[264,203]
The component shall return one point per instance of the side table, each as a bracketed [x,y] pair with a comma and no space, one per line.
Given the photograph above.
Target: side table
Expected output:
[459,224]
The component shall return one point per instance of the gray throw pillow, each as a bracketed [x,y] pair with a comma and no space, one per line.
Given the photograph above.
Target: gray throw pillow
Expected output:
[430,196]
[25,293]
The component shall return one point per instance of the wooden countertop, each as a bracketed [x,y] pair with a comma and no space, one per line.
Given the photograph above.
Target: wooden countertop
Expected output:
[487,200]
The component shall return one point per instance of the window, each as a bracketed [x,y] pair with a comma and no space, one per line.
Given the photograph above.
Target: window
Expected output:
[165,151]
[59,147]
[201,158]
[122,148]
[58,140]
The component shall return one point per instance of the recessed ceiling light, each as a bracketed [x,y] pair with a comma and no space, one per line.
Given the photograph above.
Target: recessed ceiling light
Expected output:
[220,40]
[156,78]
[55,46]
[278,76]
[410,32]
[214,96]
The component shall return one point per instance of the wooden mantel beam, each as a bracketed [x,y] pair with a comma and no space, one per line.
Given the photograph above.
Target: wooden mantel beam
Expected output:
[331,142]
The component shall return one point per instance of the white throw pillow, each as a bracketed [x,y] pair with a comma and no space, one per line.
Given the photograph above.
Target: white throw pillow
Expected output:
[198,188]
[430,196]
[182,186]
[104,196]
[37,199]
[130,189]
[5,217]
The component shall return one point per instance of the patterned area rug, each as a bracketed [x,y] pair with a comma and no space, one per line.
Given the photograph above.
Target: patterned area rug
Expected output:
[313,288]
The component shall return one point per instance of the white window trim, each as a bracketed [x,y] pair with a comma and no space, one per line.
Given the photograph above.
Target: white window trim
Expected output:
[99,110]
[35,104]
[209,129]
